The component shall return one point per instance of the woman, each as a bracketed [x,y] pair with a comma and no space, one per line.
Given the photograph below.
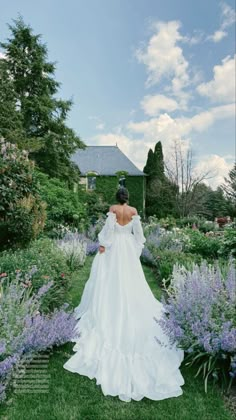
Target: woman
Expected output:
[117,342]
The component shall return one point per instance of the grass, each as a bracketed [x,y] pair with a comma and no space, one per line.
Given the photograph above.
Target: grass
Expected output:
[74,397]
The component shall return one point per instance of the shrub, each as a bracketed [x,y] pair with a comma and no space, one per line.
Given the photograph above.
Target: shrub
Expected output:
[63,204]
[50,263]
[24,331]
[166,259]
[228,243]
[22,212]
[74,248]
[200,317]
[206,246]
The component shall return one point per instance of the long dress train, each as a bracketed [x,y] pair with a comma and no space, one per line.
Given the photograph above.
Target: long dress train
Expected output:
[116,332]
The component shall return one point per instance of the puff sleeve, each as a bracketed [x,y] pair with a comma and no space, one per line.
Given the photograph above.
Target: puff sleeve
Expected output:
[105,236]
[138,234]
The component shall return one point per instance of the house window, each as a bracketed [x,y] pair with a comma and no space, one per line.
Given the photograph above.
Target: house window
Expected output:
[91,182]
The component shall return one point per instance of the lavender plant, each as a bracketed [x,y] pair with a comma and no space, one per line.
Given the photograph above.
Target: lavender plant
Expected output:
[201,318]
[24,330]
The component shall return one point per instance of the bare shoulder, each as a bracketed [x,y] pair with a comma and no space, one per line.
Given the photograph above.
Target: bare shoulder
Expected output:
[134,211]
[112,208]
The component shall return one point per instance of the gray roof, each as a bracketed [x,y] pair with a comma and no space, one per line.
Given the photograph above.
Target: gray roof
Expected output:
[105,160]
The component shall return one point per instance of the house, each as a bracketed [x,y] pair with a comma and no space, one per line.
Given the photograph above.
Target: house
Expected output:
[104,168]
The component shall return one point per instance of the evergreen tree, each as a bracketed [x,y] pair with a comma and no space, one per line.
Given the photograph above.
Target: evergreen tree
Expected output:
[148,168]
[229,187]
[10,118]
[217,204]
[50,142]
[208,202]
[160,191]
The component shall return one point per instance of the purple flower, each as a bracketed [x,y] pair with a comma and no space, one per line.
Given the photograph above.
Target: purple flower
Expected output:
[200,310]
[43,289]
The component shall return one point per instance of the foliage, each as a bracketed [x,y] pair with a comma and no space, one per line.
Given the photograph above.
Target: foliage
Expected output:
[24,330]
[216,204]
[50,265]
[166,259]
[200,316]
[160,191]
[42,115]
[74,248]
[229,187]
[95,204]
[63,205]
[10,116]
[206,246]
[22,212]
[228,243]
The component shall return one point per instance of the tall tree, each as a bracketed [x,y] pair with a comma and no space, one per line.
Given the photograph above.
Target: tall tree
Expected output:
[10,117]
[50,141]
[160,190]
[229,187]
[181,172]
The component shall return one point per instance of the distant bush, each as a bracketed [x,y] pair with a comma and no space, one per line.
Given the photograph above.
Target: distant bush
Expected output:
[206,246]
[228,243]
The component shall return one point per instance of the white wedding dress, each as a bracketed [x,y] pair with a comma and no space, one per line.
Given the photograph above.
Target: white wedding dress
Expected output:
[116,332]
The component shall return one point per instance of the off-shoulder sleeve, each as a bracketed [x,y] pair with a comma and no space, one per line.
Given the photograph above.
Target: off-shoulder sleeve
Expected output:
[105,236]
[138,234]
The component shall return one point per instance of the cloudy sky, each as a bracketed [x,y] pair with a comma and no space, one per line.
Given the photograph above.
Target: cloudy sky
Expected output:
[140,71]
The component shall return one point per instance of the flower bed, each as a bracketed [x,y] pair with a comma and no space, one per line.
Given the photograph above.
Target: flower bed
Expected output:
[200,316]
[24,330]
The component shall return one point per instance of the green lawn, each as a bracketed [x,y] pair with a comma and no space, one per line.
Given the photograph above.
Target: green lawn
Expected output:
[72,396]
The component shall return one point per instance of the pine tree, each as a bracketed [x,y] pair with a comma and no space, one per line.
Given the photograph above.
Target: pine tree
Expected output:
[43,116]
[10,118]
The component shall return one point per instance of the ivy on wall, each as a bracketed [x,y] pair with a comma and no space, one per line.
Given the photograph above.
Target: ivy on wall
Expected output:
[135,186]
[106,187]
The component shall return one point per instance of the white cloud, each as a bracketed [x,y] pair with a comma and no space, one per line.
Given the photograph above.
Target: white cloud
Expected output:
[222,87]
[153,104]
[228,14]
[164,58]
[197,37]
[100,126]
[138,137]
[217,166]
[165,127]
[218,35]
[2,56]
[136,150]
[228,17]
[99,123]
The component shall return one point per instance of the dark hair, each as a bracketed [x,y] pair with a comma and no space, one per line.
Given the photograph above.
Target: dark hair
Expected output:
[122,195]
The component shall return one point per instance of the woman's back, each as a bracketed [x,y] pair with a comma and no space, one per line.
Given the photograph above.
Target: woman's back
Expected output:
[123,213]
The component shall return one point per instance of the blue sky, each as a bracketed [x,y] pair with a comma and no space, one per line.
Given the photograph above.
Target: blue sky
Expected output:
[140,71]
